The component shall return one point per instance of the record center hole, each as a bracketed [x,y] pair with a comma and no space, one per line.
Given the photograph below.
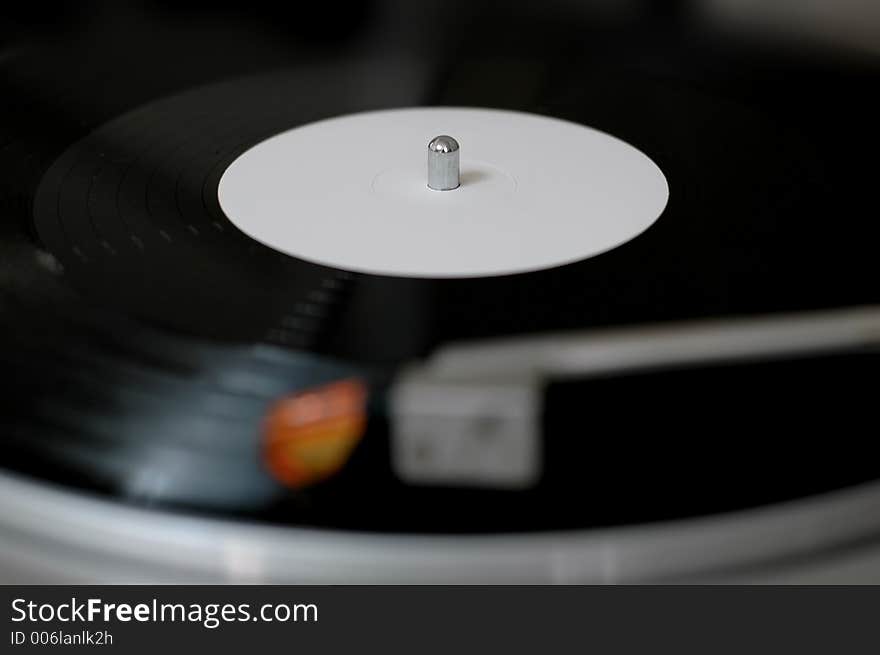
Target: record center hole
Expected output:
[476,177]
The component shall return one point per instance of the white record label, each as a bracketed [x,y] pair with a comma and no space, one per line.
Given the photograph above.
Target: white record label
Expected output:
[351,193]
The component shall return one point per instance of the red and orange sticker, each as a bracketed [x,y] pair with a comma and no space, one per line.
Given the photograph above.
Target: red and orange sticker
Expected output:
[309,435]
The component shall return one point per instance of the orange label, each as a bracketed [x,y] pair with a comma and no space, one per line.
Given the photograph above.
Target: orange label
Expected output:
[310,435]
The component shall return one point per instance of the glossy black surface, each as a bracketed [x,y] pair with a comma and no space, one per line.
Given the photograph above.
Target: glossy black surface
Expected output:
[143,336]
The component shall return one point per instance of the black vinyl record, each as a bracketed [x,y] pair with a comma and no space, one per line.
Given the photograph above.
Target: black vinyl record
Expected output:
[144,336]
[752,225]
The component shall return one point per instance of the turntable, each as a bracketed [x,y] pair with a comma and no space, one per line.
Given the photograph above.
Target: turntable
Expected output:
[577,309]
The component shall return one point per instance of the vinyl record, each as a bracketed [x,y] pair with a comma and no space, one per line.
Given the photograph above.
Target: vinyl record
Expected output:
[142,189]
[150,345]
